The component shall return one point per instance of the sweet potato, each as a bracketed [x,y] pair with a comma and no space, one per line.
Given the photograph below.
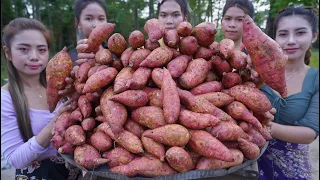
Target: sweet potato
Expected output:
[156,76]
[207,87]
[136,39]
[134,127]
[115,113]
[179,159]
[171,38]
[238,60]
[206,145]
[144,166]
[195,157]
[57,140]
[253,98]
[75,135]
[266,55]
[101,141]
[93,69]
[94,96]
[76,115]
[154,148]
[212,77]
[156,99]
[155,29]
[88,124]
[170,134]
[195,120]
[249,149]
[121,80]
[264,117]
[131,98]
[100,118]
[157,58]
[139,78]
[228,131]
[170,98]
[188,45]
[214,47]
[231,144]
[105,127]
[226,48]
[201,105]
[219,99]
[58,68]
[88,157]
[178,65]
[249,83]
[137,57]
[265,133]
[118,156]
[116,63]
[244,126]
[98,35]
[205,33]
[67,148]
[212,163]
[117,44]
[149,116]
[151,45]
[125,56]
[195,74]
[97,110]
[204,53]
[63,122]
[100,79]
[239,111]
[103,56]
[230,79]
[220,65]
[257,138]
[184,29]
[130,142]
[85,106]
[175,52]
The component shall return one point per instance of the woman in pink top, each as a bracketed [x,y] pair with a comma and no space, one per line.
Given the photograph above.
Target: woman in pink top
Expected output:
[26,123]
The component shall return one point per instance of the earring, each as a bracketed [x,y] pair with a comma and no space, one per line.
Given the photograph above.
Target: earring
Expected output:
[313,41]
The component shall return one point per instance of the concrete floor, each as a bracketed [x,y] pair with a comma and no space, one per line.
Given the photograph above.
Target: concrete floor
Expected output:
[8,174]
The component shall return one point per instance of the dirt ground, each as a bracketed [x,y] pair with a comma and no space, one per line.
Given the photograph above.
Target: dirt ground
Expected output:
[8,174]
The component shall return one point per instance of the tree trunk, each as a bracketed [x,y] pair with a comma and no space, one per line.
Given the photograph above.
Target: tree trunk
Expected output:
[218,8]
[136,19]
[37,11]
[270,20]
[151,9]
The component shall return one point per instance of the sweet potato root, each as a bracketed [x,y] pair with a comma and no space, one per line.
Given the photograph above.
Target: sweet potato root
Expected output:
[171,38]
[206,145]
[88,157]
[156,76]
[219,99]
[228,131]
[220,65]
[131,98]
[156,99]
[238,60]
[178,65]
[117,44]
[170,98]
[195,120]
[58,68]
[230,79]
[67,148]
[212,163]
[149,116]
[204,53]
[151,45]
[125,56]
[130,142]
[179,159]
[100,79]
[188,45]
[155,29]
[88,124]
[118,156]
[205,33]
[85,106]
[137,57]
[153,147]
[121,80]
[184,29]
[75,135]
[139,78]
[103,56]
[266,55]
[226,48]
[207,87]
[170,134]
[157,58]
[144,166]
[134,127]
[136,39]
[249,149]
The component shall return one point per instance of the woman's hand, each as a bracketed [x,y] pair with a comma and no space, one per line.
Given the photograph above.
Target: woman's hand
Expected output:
[82,45]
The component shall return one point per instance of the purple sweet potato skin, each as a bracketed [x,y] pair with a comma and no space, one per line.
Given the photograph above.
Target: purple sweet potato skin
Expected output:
[205,33]
[137,57]
[117,44]
[118,156]
[125,56]
[170,98]
[184,29]
[149,116]
[131,98]
[136,39]
[157,58]
[153,147]
[171,38]
[207,87]
[179,159]
[155,29]
[134,127]
[188,45]
[178,65]
[121,80]
[151,45]
[139,78]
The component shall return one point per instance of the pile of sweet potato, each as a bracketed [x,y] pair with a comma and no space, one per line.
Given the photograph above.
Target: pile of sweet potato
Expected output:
[156,111]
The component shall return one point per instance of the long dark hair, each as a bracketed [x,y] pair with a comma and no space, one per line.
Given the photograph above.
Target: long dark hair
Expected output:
[245,5]
[308,14]
[185,8]
[15,87]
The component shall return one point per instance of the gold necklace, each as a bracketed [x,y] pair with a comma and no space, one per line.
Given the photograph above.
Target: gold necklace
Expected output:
[295,73]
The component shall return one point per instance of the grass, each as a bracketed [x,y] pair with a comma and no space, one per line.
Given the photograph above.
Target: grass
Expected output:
[314,62]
